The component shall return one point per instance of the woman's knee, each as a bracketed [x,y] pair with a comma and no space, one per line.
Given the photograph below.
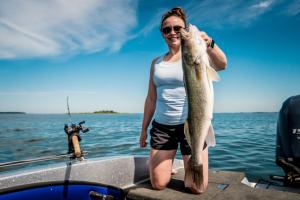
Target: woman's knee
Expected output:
[158,184]
[159,181]
[160,178]
[160,167]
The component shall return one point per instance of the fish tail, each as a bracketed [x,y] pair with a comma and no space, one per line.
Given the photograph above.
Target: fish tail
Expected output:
[194,177]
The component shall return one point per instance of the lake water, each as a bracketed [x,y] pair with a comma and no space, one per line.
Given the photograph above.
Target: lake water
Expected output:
[245,141]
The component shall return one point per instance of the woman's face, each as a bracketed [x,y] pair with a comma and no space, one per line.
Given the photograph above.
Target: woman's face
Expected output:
[171,36]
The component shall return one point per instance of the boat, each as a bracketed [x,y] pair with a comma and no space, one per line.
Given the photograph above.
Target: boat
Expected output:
[122,177]
[98,178]
[127,177]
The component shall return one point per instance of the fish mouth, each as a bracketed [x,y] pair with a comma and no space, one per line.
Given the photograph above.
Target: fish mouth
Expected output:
[185,35]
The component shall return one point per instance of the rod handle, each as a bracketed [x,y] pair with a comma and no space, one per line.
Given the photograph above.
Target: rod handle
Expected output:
[76,146]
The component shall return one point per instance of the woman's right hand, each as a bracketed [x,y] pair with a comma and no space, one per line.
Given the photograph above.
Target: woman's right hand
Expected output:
[143,138]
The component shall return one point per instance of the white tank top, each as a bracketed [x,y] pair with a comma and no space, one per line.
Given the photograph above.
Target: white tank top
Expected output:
[171,102]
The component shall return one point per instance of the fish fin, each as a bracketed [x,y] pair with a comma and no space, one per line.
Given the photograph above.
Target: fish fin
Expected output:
[187,132]
[211,72]
[210,138]
[194,178]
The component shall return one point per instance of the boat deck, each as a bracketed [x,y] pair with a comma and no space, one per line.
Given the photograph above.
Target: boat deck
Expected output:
[131,175]
[222,185]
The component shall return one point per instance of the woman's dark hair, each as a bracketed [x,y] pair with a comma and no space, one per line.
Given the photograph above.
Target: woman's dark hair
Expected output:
[177,11]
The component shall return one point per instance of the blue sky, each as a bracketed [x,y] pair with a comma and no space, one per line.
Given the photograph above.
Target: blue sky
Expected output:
[99,52]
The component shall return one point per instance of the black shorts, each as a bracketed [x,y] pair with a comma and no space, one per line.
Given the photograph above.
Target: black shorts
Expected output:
[167,137]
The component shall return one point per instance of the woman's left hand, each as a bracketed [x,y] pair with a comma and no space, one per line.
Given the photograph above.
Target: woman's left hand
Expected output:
[205,37]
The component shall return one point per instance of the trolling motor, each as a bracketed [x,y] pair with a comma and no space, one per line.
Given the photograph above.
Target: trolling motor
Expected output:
[73,132]
[288,142]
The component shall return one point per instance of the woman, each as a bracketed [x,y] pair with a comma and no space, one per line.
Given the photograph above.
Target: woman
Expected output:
[166,100]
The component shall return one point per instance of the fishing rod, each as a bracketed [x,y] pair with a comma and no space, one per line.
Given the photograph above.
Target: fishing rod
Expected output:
[73,132]
[68,109]
[40,159]
[74,151]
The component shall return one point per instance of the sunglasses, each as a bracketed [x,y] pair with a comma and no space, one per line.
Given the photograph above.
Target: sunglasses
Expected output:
[168,29]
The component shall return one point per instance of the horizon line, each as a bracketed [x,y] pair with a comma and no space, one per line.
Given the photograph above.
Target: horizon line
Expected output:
[88,113]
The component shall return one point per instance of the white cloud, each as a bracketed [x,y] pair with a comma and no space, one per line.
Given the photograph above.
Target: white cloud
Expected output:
[34,28]
[293,8]
[262,5]
[226,14]
[219,14]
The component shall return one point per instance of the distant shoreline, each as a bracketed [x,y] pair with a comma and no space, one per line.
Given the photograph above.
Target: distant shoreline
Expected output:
[101,112]
[12,112]
[105,112]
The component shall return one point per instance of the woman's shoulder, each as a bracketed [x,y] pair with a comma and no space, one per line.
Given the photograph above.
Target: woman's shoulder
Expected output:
[157,59]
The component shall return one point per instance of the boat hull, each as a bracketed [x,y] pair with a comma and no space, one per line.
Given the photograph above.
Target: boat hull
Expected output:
[77,180]
[65,192]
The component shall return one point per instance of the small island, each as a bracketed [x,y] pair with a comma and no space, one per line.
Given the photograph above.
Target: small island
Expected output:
[105,112]
[100,112]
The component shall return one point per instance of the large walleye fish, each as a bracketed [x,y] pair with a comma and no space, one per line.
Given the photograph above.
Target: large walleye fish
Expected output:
[198,77]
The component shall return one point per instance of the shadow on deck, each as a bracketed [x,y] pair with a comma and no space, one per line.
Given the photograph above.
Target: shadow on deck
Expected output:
[222,185]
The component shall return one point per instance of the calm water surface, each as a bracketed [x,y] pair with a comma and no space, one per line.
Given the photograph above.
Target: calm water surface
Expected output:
[245,141]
